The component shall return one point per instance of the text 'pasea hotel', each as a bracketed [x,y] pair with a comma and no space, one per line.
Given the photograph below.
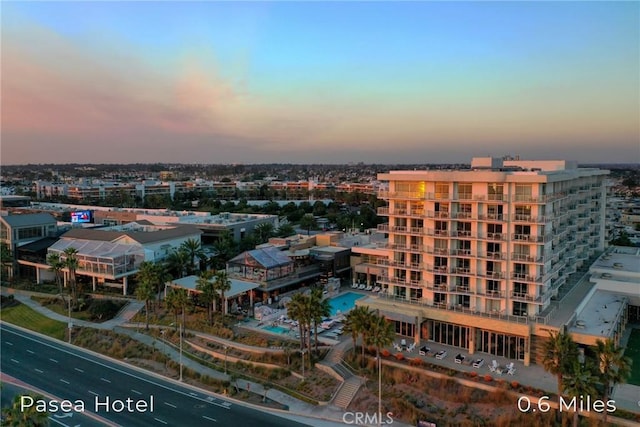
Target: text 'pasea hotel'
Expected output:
[475,258]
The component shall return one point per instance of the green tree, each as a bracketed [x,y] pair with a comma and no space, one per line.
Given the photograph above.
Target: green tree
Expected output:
[6,258]
[193,249]
[359,319]
[308,222]
[145,292]
[614,367]
[177,262]
[207,289]
[381,332]
[29,417]
[285,230]
[150,275]
[222,285]
[560,352]
[263,232]
[320,308]
[177,301]
[70,259]
[298,310]
[579,381]
[56,265]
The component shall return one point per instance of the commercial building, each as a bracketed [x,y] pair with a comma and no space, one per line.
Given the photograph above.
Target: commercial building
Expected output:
[475,258]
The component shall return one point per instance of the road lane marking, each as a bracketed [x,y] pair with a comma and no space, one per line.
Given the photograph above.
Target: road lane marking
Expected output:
[209,418]
[10,343]
[93,392]
[39,371]
[169,404]
[79,370]
[30,352]
[53,360]
[129,371]
[15,361]
[135,391]
[64,381]
[194,394]
[159,420]
[105,380]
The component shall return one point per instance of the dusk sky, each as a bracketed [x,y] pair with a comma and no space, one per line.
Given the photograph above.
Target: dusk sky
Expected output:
[319,82]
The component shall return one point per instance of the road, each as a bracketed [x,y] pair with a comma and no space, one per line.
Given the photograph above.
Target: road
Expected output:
[134,398]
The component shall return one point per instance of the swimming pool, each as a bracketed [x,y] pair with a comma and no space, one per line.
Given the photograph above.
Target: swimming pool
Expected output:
[344,302]
[276,329]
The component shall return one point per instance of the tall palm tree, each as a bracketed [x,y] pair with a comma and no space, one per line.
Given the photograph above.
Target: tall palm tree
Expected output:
[205,285]
[362,318]
[351,326]
[381,334]
[56,265]
[193,249]
[614,367]
[222,285]
[177,261]
[263,231]
[560,351]
[145,292]
[297,309]
[177,300]
[320,308]
[71,264]
[579,381]
[29,417]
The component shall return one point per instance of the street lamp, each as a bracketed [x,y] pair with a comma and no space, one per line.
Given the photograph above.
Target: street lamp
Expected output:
[225,358]
[180,351]
[303,351]
[379,389]
[70,323]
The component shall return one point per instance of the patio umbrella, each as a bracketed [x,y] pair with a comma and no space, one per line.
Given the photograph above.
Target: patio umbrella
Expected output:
[284,301]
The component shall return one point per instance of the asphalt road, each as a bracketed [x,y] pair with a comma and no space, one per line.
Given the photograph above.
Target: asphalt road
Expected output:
[73,374]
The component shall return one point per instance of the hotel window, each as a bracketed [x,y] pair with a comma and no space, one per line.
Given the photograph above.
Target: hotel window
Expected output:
[493,287]
[464,247]
[415,294]
[522,232]
[440,280]
[495,191]
[441,228]
[465,191]
[439,299]
[442,210]
[521,252]
[519,308]
[464,229]
[523,192]
[494,231]
[440,246]
[440,263]
[520,289]
[464,210]
[442,190]
[463,301]
[494,212]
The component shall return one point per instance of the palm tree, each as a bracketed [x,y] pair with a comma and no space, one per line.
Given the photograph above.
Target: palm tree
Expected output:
[560,351]
[29,417]
[177,300]
[308,222]
[56,265]
[145,292]
[320,309]
[351,326]
[613,365]
[6,258]
[222,285]
[285,230]
[263,231]
[362,318]
[579,381]
[176,261]
[381,334]
[71,264]
[208,290]
[193,249]
[297,309]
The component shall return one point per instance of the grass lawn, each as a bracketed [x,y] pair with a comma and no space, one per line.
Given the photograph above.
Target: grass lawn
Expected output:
[633,352]
[63,310]
[24,316]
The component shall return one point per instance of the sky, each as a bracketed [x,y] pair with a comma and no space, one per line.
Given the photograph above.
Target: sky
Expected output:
[318,82]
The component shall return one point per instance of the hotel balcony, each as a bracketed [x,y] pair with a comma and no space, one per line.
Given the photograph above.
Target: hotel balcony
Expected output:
[493,294]
[528,238]
[462,215]
[437,233]
[492,255]
[515,256]
[382,211]
[438,214]
[441,287]
[492,274]
[439,269]
[462,233]
[532,199]
[462,271]
[526,278]
[437,251]
[529,218]
[458,289]
[402,195]
[526,298]
[492,217]
[438,196]
[493,236]
[383,228]
[462,253]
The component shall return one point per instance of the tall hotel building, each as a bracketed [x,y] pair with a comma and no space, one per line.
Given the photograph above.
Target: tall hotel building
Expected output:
[475,258]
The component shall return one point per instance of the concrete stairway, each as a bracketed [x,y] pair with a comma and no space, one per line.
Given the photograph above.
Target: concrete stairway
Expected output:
[347,392]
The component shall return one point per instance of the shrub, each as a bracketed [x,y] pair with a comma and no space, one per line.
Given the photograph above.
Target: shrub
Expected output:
[415,362]
[385,353]
[399,356]
[515,384]
[473,374]
[488,378]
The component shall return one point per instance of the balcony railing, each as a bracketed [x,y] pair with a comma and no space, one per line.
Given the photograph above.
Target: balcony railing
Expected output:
[527,238]
[401,195]
[523,277]
[515,256]
[494,294]
[491,217]
[492,274]
[529,218]
[438,214]
[526,297]
[462,233]
[463,215]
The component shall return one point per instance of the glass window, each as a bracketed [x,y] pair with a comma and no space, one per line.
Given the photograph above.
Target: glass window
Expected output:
[465,191]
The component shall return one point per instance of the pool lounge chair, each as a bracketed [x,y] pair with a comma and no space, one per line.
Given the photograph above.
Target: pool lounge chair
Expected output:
[424,350]
[478,363]
[494,366]
[355,286]
[362,287]
[369,288]
[411,347]
[441,354]
[376,289]
[459,358]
